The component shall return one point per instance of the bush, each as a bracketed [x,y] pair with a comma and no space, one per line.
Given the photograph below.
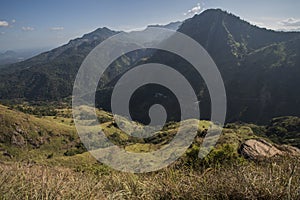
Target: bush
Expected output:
[78,150]
[222,155]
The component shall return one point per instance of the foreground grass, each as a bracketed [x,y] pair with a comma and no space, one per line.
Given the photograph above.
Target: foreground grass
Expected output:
[277,179]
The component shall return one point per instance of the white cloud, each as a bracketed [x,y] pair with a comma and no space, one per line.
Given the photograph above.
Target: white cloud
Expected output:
[291,22]
[57,28]
[13,21]
[194,10]
[27,28]
[4,23]
[276,23]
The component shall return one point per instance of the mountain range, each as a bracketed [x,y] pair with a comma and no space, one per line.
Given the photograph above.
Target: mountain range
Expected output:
[9,57]
[260,69]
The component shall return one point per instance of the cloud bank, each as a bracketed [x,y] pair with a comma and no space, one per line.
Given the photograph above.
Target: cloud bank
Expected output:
[291,22]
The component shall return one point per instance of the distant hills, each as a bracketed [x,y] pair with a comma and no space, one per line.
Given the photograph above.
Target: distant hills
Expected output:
[50,75]
[173,25]
[9,57]
[260,68]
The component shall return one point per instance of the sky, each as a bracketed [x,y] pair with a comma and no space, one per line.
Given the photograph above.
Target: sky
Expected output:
[33,24]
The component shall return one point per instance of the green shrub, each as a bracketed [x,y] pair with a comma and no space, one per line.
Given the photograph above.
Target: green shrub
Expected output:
[225,154]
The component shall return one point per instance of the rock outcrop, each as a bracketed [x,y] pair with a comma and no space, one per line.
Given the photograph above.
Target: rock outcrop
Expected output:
[256,149]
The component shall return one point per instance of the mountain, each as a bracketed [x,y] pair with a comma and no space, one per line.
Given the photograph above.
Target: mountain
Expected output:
[50,75]
[260,69]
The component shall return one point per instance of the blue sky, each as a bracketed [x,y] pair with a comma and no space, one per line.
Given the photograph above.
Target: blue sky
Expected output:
[38,24]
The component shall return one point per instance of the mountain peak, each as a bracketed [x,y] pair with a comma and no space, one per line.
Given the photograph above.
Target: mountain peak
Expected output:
[102,32]
[219,14]
[97,35]
[214,10]
[216,28]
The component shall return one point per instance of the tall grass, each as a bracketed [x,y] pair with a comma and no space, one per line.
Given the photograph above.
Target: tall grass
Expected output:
[276,179]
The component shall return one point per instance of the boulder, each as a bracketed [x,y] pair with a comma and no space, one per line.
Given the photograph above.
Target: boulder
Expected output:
[290,150]
[256,149]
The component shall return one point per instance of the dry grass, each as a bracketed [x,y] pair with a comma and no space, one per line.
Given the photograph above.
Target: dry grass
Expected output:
[80,177]
[278,179]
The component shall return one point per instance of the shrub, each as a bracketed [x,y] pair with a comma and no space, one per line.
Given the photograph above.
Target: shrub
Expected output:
[225,154]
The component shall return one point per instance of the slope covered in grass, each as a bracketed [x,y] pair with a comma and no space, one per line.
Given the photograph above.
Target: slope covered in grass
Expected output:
[276,179]
[42,158]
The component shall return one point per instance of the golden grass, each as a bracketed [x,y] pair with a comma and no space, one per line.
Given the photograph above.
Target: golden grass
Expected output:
[279,179]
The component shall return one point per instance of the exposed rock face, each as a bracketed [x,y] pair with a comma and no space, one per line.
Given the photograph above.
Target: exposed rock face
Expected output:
[258,148]
[293,151]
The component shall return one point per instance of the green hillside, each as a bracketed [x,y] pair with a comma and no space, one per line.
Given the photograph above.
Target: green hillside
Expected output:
[42,158]
[53,139]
